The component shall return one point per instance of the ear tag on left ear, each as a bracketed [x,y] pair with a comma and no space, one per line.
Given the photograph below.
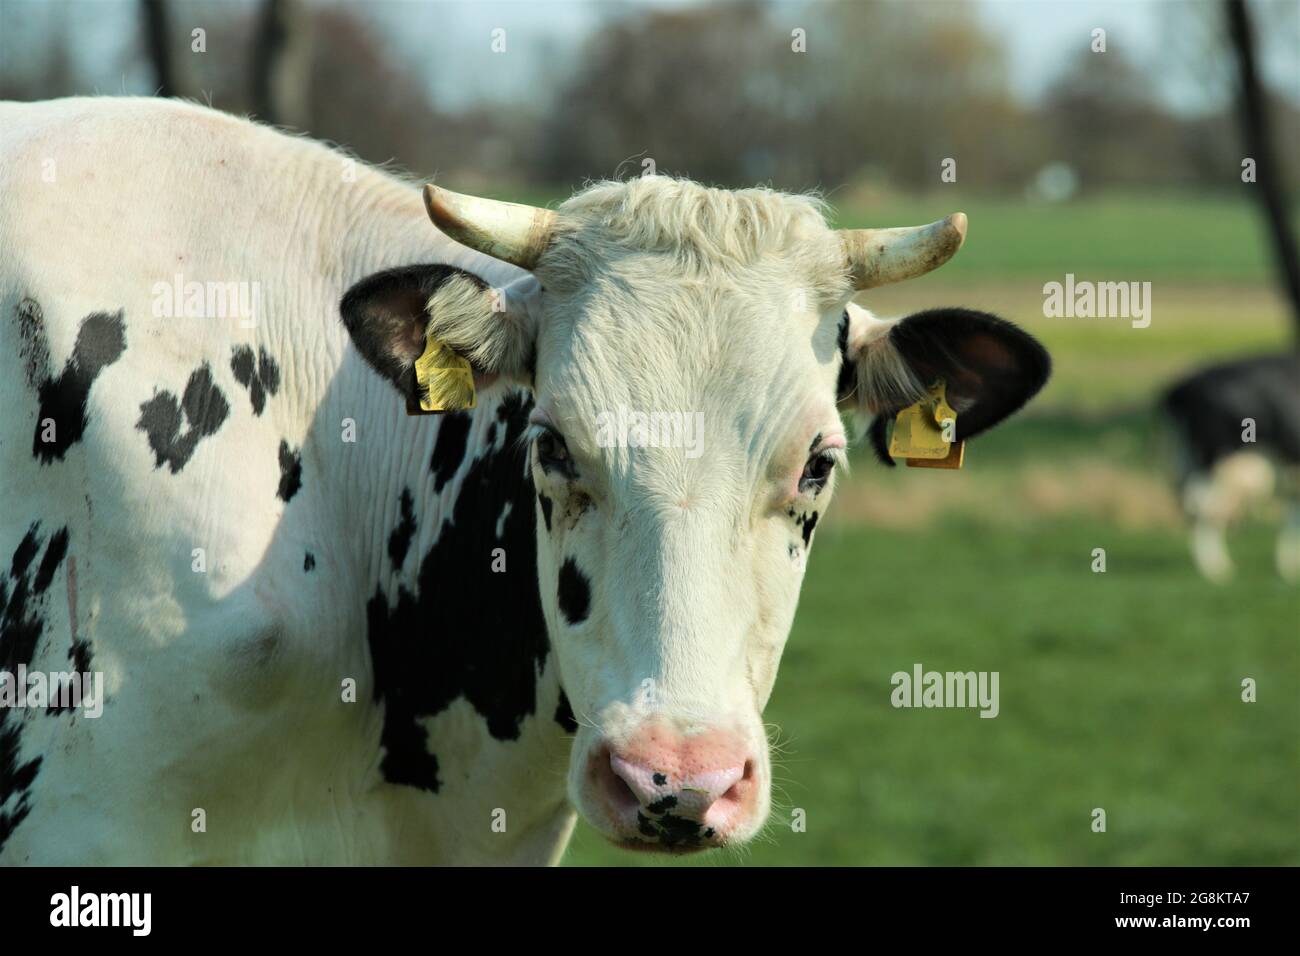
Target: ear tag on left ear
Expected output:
[920,436]
[445,380]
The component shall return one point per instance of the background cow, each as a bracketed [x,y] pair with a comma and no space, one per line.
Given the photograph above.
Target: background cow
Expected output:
[1238,430]
[333,632]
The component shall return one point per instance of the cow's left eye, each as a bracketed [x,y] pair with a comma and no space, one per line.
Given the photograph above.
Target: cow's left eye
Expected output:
[816,472]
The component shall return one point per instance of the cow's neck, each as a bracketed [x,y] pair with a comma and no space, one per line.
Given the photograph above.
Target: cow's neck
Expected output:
[463,673]
[438,515]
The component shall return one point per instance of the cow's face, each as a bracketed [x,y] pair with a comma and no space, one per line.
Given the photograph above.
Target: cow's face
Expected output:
[687,349]
[684,438]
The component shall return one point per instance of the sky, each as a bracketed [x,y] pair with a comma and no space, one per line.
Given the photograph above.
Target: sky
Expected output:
[448,39]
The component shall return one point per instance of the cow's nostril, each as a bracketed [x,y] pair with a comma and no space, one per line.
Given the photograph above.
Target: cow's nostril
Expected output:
[736,791]
[616,789]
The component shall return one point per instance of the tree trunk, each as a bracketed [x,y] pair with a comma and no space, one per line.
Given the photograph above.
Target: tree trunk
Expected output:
[1257,137]
[282,64]
[156,30]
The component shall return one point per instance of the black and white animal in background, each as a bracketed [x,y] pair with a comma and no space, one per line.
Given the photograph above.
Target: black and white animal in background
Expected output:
[330,631]
[1238,431]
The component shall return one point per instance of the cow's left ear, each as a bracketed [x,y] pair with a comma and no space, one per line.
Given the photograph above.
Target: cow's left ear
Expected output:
[991,367]
[391,314]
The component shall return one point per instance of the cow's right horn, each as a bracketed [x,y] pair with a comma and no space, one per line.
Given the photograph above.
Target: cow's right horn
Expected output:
[503,230]
[878,256]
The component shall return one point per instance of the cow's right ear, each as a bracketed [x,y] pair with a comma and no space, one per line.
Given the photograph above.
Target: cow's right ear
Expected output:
[391,314]
[991,367]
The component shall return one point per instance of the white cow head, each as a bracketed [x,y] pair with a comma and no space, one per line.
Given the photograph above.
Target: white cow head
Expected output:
[687,348]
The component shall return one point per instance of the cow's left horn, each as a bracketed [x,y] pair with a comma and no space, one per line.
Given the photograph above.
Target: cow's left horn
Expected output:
[880,256]
[503,230]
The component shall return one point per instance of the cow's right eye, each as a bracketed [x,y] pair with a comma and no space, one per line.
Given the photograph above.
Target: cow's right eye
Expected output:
[816,472]
[551,450]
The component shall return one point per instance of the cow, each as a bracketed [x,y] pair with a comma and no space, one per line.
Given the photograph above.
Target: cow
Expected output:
[1236,427]
[331,631]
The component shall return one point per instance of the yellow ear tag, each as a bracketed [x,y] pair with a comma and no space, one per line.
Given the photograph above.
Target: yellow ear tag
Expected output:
[919,432]
[445,380]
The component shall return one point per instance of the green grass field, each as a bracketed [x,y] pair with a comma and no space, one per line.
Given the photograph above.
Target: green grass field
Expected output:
[1119,691]
[1120,237]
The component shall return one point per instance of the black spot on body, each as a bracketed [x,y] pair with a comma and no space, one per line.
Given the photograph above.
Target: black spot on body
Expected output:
[399,542]
[243,363]
[659,779]
[546,504]
[101,341]
[449,450]
[465,632]
[260,375]
[33,344]
[309,562]
[80,655]
[203,408]
[22,623]
[54,554]
[564,715]
[25,552]
[290,472]
[574,593]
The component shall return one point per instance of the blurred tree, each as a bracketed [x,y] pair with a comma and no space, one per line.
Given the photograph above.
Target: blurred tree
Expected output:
[37,70]
[1101,116]
[158,43]
[1257,137]
[732,94]
[1196,58]
[281,68]
[691,90]
[912,85]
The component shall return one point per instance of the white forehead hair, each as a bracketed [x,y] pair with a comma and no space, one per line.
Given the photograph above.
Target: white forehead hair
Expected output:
[709,233]
[676,297]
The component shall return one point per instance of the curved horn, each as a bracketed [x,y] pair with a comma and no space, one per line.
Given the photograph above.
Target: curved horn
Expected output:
[503,230]
[880,256]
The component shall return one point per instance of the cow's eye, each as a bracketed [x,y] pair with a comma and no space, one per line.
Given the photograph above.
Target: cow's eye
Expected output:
[817,471]
[551,449]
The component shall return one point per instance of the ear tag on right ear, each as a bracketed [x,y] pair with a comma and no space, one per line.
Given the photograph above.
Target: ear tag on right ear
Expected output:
[955,458]
[445,380]
[918,429]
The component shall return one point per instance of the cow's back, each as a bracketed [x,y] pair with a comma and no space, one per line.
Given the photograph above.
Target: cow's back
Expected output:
[1212,407]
